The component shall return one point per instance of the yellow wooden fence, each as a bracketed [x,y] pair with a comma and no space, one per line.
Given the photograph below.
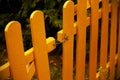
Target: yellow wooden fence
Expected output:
[22,65]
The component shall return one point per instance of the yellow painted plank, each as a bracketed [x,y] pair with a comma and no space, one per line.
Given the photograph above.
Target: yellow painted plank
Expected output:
[93,38]
[68,26]
[29,55]
[104,36]
[113,39]
[50,41]
[31,70]
[60,35]
[15,50]
[39,45]
[4,71]
[81,39]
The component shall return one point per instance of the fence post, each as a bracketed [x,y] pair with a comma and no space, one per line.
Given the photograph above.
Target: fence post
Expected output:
[113,33]
[39,45]
[104,36]
[81,39]
[93,38]
[68,37]
[15,50]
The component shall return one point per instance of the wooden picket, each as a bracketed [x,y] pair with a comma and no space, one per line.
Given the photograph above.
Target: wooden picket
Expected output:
[93,39]
[15,50]
[113,34]
[68,40]
[81,39]
[39,39]
[104,36]
[22,65]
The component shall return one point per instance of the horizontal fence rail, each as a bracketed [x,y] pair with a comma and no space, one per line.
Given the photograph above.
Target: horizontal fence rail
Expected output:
[104,44]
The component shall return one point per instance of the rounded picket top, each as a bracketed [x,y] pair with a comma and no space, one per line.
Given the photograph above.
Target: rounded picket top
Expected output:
[39,44]
[14,42]
[68,4]
[11,25]
[68,18]
[15,49]
[37,23]
[36,13]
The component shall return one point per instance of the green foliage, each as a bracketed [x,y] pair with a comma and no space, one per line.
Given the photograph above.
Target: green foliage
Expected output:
[15,10]
[20,10]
